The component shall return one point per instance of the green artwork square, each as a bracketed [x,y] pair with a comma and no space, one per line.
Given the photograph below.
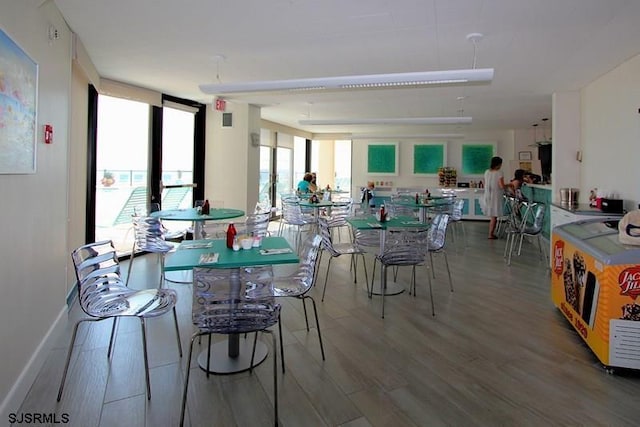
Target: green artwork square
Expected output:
[427,159]
[381,159]
[476,158]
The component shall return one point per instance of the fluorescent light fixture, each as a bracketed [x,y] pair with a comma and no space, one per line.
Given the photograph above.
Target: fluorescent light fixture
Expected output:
[423,136]
[415,79]
[390,121]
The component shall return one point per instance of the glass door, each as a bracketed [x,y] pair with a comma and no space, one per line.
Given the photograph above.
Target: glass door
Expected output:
[122,153]
[284,173]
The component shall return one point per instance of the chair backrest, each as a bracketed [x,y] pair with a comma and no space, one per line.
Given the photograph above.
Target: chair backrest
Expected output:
[257,224]
[172,198]
[233,301]
[136,202]
[456,212]
[444,205]
[327,244]
[309,261]
[400,249]
[436,237]
[291,212]
[538,219]
[98,272]
[149,234]
[400,205]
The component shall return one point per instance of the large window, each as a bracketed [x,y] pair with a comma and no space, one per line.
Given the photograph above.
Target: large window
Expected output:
[342,165]
[126,165]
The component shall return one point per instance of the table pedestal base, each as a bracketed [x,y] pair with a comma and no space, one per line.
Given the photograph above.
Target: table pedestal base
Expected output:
[222,363]
[393,288]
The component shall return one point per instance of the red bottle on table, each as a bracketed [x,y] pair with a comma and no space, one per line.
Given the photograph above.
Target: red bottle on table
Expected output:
[205,207]
[231,234]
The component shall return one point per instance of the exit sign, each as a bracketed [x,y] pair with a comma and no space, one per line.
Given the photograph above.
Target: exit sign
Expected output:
[221,104]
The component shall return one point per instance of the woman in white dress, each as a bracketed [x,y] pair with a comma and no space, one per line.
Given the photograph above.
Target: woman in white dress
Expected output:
[493,191]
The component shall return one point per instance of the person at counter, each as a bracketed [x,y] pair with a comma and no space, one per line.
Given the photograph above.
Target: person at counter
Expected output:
[304,185]
[532,178]
[492,202]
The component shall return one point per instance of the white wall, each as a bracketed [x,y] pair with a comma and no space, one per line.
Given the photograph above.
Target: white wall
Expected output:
[33,247]
[611,133]
[231,162]
[406,179]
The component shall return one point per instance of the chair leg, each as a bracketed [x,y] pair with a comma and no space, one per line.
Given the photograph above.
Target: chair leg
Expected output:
[146,357]
[433,308]
[315,312]
[446,261]
[366,275]
[186,378]
[133,252]
[383,271]
[281,344]
[326,277]
[275,376]
[112,337]
[304,308]
[175,321]
[66,365]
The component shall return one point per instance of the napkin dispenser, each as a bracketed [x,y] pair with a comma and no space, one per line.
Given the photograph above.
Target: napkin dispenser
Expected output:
[612,205]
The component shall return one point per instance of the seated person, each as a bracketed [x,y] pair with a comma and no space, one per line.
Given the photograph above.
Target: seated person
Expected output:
[313,185]
[303,186]
[368,197]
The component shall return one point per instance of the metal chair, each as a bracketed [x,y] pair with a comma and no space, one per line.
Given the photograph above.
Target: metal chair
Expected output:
[456,220]
[340,211]
[337,249]
[292,216]
[103,295]
[149,237]
[529,223]
[436,240]
[402,250]
[298,285]
[232,301]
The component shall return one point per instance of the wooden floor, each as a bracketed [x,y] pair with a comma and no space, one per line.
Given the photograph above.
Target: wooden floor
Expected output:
[497,353]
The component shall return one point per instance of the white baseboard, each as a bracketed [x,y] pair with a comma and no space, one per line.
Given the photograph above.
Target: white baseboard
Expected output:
[20,388]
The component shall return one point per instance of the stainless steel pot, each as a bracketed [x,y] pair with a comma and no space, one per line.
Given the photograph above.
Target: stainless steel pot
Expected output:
[569,196]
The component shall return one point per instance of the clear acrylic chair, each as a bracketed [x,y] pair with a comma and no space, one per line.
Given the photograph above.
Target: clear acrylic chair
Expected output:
[337,249]
[456,220]
[149,237]
[402,249]
[293,216]
[103,295]
[530,225]
[340,211]
[298,285]
[436,240]
[232,301]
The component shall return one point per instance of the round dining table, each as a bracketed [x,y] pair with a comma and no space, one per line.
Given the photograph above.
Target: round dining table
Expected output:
[191,214]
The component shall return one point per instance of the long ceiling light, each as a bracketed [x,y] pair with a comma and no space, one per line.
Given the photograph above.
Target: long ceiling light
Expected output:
[415,79]
[390,121]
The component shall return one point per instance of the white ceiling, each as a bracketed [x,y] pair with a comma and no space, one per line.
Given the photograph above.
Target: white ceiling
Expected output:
[536,47]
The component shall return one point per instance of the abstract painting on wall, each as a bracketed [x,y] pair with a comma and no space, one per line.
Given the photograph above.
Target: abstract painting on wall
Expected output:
[18,108]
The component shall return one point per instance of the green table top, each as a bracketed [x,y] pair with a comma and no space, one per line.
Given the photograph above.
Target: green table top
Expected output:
[191,214]
[187,256]
[371,223]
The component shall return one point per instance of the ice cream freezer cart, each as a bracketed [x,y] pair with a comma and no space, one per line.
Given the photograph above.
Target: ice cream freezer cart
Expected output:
[595,283]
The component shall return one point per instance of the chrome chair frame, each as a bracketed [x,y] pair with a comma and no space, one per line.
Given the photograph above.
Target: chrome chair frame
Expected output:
[103,295]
